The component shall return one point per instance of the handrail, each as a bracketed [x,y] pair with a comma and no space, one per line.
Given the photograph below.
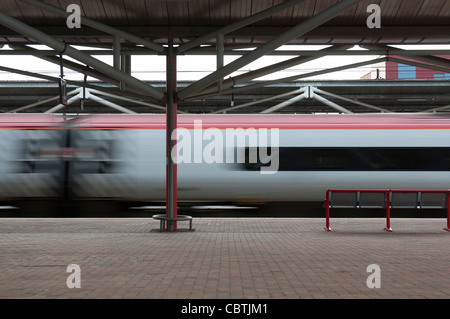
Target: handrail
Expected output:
[387,202]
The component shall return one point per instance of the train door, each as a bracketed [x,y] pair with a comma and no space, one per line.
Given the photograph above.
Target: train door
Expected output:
[31,167]
[95,170]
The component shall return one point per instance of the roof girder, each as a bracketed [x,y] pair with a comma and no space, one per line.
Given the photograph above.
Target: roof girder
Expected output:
[247,58]
[78,55]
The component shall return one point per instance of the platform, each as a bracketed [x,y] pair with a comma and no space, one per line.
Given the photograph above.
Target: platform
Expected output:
[232,258]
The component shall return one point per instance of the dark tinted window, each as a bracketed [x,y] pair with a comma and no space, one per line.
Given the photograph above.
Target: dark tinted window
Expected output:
[358,159]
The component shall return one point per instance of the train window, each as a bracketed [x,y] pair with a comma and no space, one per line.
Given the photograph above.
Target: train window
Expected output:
[359,159]
[100,147]
[101,160]
[32,158]
[254,155]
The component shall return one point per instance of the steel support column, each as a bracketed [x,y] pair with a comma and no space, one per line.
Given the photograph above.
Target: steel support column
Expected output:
[220,51]
[116,51]
[171,125]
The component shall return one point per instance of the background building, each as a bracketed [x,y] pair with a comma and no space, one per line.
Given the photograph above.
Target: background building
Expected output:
[403,71]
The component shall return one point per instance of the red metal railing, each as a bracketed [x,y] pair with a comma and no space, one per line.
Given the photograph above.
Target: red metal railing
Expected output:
[387,202]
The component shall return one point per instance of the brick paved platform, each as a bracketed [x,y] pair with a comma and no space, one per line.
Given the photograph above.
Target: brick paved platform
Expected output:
[224,258]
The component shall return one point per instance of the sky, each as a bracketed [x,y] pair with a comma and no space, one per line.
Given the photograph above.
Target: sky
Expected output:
[191,68]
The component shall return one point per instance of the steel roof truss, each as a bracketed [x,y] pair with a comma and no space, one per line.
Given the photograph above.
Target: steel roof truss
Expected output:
[268,47]
[98,26]
[43,38]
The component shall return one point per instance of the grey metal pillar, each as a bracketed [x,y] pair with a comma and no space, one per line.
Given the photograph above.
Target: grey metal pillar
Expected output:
[116,51]
[123,68]
[220,50]
[171,124]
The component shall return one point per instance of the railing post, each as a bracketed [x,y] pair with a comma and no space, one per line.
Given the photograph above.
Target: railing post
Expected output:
[388,212]
[448,211]
[327,209]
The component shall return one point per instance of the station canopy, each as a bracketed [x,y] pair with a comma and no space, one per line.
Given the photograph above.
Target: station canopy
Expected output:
[400,65]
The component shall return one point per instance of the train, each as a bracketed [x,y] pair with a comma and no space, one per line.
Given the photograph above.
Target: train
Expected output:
[254,159]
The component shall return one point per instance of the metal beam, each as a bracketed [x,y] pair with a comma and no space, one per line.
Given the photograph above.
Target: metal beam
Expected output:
[97,25]
[231,52]
[59,46]
[304,94]
[44,77]
[313,95]
[110,104]
[292,78]
[270,98]
[61,106]
[159,107]
[323,35]
[87,94]
[293,33]
[237,25]
[350,100]
[228,83]
[442,108]
[83,69]
[29,106]
[68,64]
[305,53]
[308,92]
[27,73]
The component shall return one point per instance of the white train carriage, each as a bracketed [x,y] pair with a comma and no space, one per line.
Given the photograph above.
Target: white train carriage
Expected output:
[308,154]
[221,158]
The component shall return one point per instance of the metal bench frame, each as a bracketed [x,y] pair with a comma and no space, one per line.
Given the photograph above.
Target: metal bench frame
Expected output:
[163,219]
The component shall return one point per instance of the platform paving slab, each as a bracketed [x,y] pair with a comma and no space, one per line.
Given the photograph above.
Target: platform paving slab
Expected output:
[229,258]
